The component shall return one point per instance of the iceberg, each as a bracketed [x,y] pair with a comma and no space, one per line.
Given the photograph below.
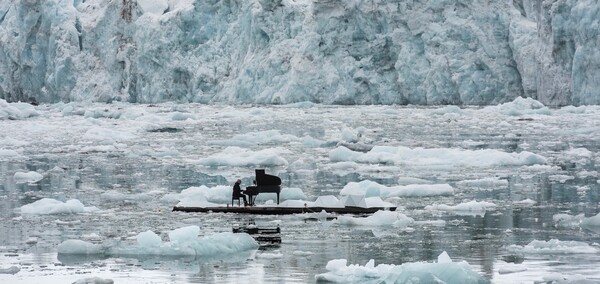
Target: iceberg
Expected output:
[183,242]
[554,246]
[439,157]
[27,177]
[442,271]
[47,206]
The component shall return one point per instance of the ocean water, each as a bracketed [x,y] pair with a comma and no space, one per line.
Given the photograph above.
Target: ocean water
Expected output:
[148,151]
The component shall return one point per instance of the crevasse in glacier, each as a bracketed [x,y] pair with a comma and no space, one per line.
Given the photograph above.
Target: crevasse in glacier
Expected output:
[284,51]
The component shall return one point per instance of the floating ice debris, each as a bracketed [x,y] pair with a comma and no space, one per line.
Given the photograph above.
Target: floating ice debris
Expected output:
[10,270]
[566,221]
[31,241]
[15,111]
[273,255]
[184,242]
[102,113]
[239,157]
[554,246]
[526,202]
[302,253]
[107,135]
[148,239]
[29,177]
[511,268]
[444,271]
[79,247]
[560,178]
[487,183]
[379,218]
[184,234]
[370,188]
[9,154]
[562,278]
[94,280]
[179,116]
[520,106]
[439,157]
[256,138]
[113,195]
[53,206]
[593,221]
[466,207]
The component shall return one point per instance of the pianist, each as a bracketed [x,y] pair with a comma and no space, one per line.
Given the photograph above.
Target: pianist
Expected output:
[238,193]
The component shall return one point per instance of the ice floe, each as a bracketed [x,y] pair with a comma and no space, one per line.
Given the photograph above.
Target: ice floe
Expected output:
[554,246]
[239,157]
[442,271]
[379,218]
[52,206]
[472,207]
[15,111]
[182,242]
[370,188]
[27,177]
[441,157]
[94,280]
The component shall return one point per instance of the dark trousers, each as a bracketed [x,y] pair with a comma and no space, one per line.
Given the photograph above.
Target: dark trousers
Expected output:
[238,197]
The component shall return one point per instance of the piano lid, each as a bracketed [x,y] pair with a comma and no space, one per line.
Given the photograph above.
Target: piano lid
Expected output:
[265,179]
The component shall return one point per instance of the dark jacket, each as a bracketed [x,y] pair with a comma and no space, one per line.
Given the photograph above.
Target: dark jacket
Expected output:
[237,191]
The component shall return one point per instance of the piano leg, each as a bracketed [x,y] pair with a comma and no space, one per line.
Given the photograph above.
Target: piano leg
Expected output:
[278,198]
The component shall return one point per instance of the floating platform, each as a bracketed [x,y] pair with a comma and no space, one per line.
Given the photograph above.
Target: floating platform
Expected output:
[264,210]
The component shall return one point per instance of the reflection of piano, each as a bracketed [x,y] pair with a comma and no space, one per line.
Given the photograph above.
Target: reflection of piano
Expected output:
[264,183]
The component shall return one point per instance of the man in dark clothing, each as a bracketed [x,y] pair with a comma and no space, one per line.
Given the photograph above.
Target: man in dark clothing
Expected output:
[238,193]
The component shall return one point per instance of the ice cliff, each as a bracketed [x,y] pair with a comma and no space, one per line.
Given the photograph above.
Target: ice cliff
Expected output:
[284,51]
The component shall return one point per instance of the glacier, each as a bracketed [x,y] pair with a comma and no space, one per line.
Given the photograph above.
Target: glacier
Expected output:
[429,52]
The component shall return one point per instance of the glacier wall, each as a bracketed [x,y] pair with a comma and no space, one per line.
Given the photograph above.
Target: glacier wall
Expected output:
[474,52]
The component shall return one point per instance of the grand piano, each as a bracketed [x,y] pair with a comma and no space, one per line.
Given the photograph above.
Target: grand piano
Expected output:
[263,183]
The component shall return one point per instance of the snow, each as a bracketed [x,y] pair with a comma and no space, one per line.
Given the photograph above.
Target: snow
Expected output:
[445,271]
[52,206]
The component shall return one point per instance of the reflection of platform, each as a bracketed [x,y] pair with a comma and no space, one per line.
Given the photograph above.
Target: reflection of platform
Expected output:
[263,210]
[264,236]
